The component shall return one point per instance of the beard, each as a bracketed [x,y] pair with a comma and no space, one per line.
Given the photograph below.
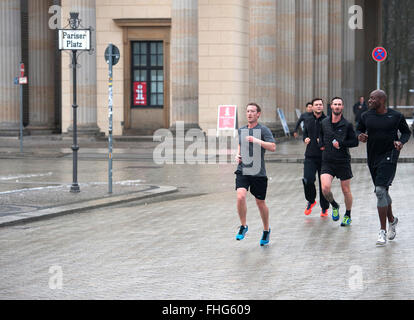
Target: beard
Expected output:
[338,113]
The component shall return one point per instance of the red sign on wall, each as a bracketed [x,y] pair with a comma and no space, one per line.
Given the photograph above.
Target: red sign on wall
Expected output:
[226,117]
[140,93]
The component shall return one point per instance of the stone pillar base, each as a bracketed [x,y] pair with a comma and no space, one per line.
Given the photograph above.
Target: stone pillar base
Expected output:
[40,130]
[184,126]
[11,130]
[86,131]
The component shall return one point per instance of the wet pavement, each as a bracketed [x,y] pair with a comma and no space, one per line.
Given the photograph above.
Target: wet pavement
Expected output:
[182,245]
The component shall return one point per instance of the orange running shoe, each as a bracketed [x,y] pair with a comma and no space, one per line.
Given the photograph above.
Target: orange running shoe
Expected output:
[309,208]
[324,213]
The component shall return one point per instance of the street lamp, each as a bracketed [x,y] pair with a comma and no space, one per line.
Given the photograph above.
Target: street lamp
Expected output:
[74,23]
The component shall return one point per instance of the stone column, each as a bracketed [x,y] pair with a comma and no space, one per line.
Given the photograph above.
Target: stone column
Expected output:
[10,52]
[321,49]
[335,49]
[304,55]
[42,68]
[349,74]
[184,63]
[87,72]
[263,59]
[286,59]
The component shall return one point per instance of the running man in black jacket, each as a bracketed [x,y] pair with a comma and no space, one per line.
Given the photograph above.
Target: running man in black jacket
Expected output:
[313,158]
[302,118]
[337,135]
[379,127]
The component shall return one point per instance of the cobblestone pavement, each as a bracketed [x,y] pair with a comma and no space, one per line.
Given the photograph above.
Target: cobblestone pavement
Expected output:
[185,248]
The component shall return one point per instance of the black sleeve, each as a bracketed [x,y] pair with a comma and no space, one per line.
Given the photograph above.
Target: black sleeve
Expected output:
[404,129]
[298,123]
[351,139]
[320,134]
[361,126]
[305,131]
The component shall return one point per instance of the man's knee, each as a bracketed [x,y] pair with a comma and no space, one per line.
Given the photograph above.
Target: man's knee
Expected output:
[261,204]
[241,195]
[383,199]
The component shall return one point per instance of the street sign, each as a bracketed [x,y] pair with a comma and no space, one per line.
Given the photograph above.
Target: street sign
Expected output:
[115,55]
[22,70]
[379,54]
[227,118]
[283,121]
[75,39]
[23,80]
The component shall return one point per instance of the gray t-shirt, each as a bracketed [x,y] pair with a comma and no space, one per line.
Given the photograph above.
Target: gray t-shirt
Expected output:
[253,154]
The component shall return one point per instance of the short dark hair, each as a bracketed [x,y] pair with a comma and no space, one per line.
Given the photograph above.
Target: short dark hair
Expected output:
[309,103]
[339,99]
[316,99]
[256,105]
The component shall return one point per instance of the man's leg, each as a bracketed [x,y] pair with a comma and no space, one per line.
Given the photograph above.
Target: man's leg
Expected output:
[346,190]
[326,180]
[241,205]
[264,213]
[323,202]
[309,172]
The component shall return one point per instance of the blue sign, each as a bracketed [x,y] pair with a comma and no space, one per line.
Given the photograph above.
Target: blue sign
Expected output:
[283,121]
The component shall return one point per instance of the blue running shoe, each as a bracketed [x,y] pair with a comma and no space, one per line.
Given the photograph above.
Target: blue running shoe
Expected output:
[346,222]
[242,232]
[335,214]
[265,238]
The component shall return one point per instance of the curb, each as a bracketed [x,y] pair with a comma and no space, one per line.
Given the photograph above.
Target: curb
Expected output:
[48,213]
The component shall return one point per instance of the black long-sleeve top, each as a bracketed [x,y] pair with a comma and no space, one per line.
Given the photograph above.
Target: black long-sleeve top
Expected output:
[311,130]
[382,131]
[302,118]
[344,133]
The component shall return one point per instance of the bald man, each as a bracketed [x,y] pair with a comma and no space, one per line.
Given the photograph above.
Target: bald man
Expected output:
[379,128]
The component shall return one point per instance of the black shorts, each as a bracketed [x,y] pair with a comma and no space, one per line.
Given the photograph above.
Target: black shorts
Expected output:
[383,174]
[341,170]
[258,185]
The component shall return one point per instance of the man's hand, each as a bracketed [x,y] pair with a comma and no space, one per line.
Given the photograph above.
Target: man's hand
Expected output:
[238,158]
[307,140]
[363,137]
[336,145]
[398,145]
[295,135]
[253,139]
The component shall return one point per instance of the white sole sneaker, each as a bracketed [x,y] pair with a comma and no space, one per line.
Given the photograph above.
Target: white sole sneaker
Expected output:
[382,238]
[391,231]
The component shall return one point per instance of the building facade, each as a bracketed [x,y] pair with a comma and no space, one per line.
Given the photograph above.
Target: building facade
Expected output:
[180,59]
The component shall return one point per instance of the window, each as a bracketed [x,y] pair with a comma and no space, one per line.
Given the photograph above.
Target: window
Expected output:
[147,74]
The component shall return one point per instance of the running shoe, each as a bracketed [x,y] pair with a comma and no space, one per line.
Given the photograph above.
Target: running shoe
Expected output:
[240,235]
[346,221]
[335,214]
[309,208]
[391,230]
[324,213]
[382,238]
[265,238]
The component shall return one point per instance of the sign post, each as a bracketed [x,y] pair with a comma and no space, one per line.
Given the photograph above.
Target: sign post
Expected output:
[22,81]
[283,121]
[112,56]
[75,40]
[379,55]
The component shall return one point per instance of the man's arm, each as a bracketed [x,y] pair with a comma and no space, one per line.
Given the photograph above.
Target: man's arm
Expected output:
[405,130]
[301,118]
[351,140]
[361,130]
[270,146]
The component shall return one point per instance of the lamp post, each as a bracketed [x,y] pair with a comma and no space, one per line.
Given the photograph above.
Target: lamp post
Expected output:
[74,23]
